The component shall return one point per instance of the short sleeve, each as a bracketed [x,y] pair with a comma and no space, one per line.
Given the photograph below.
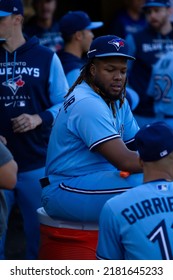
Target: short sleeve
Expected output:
[93,122]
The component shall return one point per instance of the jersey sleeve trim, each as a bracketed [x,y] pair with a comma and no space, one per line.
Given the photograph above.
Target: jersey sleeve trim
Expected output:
[129,141]
[103,140]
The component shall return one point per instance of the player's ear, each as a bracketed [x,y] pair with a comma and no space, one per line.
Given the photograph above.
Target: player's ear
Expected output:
[93,69]
[18,19]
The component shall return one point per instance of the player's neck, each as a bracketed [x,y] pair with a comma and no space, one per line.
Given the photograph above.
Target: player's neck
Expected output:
[13,43]
[147,180]
[73,49]
[153,175]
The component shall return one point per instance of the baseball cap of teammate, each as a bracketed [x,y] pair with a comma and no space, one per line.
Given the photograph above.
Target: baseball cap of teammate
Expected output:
[74,21]
[9,7]
[109,45]
[156,3]
[154,141]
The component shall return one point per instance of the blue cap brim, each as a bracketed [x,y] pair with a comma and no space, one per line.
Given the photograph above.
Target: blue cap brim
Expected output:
[155,5]
[4,14]
[94,25]
[116,54]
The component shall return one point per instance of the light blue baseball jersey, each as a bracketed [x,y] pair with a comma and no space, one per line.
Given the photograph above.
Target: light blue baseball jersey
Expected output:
[161,86]
[81,180]
[85,121]
[138,225]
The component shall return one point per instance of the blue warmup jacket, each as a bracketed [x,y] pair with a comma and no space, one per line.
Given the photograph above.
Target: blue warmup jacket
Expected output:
[24,88]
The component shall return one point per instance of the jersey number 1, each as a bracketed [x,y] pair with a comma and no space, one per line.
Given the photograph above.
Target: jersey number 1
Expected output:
[160,234]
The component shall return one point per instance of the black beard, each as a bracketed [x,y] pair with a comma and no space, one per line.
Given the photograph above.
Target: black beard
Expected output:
[106,95]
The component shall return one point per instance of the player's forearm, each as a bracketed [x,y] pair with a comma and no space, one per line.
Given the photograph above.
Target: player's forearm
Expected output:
[116,152]
[130,163]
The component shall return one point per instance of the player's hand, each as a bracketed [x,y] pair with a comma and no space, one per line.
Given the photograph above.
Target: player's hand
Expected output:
[25,122]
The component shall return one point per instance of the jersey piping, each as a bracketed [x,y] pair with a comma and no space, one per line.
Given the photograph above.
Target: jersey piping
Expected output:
[106,191]
[103,140]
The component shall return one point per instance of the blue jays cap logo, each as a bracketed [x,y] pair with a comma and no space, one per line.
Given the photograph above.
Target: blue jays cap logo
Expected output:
[117,43]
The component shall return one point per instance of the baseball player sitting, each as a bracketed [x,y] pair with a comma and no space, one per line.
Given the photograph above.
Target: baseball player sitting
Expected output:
[92,138]
[138,224]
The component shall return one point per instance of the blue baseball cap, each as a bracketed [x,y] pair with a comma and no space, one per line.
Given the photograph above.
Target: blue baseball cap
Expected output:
[154,141]
[9,7]
[156,3]
[74,21]
[109,45]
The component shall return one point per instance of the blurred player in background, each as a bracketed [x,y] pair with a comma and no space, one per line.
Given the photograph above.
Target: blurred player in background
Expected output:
[161,88]
[148,46]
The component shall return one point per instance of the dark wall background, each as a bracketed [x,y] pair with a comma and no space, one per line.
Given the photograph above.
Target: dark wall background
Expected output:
[98,10]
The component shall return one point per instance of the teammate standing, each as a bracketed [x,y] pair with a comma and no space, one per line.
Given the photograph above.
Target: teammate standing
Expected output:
[44,25]
[128,20]
[77,31]
[32,88]
[138,225]
[98,129]
[148,46]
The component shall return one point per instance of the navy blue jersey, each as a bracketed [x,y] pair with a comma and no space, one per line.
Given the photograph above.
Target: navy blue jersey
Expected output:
[123,24]
[32,81]
[147,46]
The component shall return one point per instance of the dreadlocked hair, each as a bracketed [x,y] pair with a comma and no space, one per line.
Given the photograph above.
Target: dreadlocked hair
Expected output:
[123,95]
[86,76]
[121,99]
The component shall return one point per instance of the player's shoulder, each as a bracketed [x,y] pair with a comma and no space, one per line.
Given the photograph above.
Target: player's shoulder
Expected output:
[164,61]
[35,42]
[168,54]
[84,91]
[84,101]
[46,50]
